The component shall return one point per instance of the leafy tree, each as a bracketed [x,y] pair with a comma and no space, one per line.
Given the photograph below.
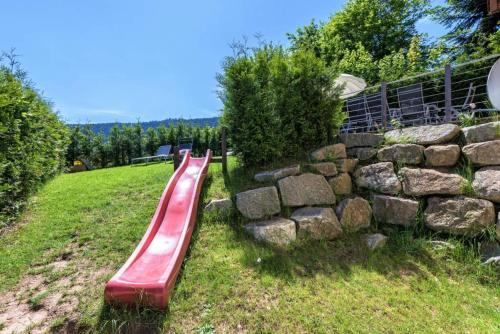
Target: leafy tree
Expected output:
[359,62]
[74,150]
[115,139]
[197,148]
[468,21]
[494,42]
[171,135]
[214,144]
[380,26]
[151,142]
[100,151]
[206,139]
[162,134]
[189,130]
[127,144]
[137,140]
[416,62]
[362,34]
[437,56]
[393,66]
[86,141]
[180,132]
[402,63]
[307,38]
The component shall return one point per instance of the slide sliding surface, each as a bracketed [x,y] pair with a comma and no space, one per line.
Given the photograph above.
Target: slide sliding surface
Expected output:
[149,274]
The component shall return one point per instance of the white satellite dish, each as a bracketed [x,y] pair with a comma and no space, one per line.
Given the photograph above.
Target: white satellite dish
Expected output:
[493,85]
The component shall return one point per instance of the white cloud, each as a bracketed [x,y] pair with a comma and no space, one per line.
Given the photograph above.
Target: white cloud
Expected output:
[79,114]
[98,111]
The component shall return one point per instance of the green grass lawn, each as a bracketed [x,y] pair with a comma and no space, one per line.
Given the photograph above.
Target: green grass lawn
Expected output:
[80,228]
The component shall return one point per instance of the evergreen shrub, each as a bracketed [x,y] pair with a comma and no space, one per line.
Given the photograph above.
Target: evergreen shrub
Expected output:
[277,104]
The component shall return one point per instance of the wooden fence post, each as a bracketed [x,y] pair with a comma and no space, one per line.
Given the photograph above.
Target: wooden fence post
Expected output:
[177,158]
[383,103]
[447,92]
[224,150]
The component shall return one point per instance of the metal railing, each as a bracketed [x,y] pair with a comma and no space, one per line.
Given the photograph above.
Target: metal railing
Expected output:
[429,98]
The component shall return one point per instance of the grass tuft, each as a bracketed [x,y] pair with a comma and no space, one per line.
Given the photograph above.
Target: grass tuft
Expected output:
[36,302]
[466,170]
[467,119]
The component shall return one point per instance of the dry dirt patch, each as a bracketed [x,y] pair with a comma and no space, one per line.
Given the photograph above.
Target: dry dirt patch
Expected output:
[38,299]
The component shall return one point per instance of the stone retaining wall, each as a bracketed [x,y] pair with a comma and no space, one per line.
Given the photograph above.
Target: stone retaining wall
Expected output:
[446,176]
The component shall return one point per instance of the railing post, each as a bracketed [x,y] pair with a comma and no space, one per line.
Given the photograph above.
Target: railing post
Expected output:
[177,158]
[224,150]
[447,92]
[383,103]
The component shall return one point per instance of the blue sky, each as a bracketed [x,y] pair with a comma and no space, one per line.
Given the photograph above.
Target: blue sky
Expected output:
[106,61]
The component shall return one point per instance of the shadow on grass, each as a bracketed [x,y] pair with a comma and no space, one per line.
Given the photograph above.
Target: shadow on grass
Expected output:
[307,257]
[143,319]
[156,162]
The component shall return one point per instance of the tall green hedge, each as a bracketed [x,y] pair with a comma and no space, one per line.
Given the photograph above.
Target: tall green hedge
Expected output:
[278,105]
[126,142]
[32,143]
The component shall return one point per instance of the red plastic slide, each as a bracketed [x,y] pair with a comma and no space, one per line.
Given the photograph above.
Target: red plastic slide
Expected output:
[149,274]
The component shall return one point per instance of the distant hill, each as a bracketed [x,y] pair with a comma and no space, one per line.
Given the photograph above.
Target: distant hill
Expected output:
[106,127]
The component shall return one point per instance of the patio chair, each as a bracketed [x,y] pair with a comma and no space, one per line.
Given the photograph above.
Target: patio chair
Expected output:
[162,153]
[374,108]
[164,150]
[358,117]
[467,106]
[412,108]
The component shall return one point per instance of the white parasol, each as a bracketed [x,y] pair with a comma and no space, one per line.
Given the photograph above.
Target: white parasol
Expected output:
[352,85]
